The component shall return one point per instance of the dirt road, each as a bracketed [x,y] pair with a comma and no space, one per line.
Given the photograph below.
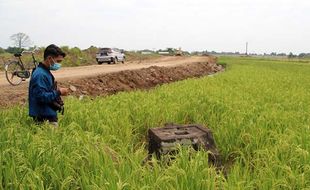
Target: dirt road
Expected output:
[68,73]
[11,95]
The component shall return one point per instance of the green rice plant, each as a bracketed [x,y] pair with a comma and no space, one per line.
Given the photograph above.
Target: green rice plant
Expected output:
[258,110]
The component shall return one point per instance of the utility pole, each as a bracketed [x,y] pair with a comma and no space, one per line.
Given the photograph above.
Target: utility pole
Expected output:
[246,48]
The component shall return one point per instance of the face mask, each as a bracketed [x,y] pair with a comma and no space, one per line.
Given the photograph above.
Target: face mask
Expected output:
[55,66]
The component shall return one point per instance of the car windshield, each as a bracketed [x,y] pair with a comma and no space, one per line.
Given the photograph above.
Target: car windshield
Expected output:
[105,50]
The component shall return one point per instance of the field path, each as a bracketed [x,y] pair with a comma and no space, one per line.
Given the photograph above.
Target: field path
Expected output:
[68,73]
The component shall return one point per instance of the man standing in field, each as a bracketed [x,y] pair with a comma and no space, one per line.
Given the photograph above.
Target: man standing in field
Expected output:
[43,95]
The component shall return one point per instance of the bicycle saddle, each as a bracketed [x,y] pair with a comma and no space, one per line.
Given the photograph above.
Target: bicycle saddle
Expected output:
[17,54]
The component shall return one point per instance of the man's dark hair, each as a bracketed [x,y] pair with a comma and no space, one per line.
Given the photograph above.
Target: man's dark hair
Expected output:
[54,51]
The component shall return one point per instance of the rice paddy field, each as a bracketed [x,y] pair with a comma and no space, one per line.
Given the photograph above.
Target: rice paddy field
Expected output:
[258,110]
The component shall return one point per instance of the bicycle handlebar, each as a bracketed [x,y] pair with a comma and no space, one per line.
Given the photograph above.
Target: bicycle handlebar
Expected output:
[32,52]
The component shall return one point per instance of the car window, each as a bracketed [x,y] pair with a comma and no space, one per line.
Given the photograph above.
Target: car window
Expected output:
[105,50]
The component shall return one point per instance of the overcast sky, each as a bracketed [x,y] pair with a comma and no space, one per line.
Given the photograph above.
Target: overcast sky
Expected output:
[220,25]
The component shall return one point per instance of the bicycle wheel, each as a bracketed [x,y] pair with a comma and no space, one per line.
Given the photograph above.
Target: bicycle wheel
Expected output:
[11,70]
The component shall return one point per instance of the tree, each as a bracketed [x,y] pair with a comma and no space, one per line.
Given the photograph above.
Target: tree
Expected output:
[13,50]
[282,54]
[291,55]
[2,50]
[171,50]
[21,40]
[273,54]
[302,55]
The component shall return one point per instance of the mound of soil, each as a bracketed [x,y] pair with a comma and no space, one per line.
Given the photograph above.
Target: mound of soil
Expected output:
[145,78]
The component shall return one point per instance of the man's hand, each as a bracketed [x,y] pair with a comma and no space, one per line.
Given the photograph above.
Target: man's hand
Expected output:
[63,91]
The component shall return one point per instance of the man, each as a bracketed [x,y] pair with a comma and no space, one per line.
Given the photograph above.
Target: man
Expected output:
[42,92]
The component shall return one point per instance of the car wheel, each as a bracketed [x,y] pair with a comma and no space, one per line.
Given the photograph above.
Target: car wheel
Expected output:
[99,62]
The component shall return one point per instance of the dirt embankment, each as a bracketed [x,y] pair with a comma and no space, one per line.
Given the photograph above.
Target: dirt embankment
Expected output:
[145,78]
[118,78]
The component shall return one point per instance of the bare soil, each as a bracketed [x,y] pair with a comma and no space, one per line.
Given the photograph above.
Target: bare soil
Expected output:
[98,80]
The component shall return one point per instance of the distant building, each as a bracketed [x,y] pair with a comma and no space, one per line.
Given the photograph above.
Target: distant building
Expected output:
[146,52]
[164,53]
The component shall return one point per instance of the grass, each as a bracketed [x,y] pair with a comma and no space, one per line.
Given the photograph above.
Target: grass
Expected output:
[135,56]
[258,111]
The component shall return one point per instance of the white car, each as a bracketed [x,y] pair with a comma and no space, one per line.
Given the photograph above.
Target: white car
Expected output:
[110,55]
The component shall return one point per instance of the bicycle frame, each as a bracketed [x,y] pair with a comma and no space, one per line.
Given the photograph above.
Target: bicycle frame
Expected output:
[34,61]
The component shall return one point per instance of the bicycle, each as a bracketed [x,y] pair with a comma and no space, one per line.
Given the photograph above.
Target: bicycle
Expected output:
[16,72]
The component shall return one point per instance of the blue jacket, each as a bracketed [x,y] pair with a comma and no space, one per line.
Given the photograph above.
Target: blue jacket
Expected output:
[42,93]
